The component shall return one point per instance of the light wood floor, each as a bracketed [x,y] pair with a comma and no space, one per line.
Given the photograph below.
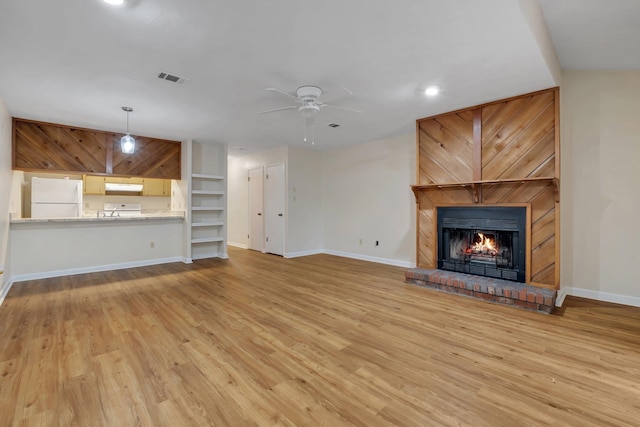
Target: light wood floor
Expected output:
[262,340]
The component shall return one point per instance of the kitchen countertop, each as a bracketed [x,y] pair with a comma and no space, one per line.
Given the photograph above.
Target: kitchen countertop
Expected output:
[144,217]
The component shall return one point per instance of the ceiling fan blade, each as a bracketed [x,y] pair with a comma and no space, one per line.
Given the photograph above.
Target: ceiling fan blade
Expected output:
[282,92]
[346,90]
[279,109]
[339,108]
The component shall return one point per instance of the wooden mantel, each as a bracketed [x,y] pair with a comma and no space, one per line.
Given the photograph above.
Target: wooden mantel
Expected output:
[502,153]
[477,185]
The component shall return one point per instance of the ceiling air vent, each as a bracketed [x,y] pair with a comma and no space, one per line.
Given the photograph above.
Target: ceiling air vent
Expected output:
[172,78]
[333,125]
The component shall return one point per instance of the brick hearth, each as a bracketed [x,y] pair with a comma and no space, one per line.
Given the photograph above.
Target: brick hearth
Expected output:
[496,290]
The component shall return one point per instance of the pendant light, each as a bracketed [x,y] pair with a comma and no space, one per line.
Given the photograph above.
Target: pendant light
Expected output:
[127,143]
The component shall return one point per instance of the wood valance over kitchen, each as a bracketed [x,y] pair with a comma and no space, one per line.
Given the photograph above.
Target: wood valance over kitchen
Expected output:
[48,147]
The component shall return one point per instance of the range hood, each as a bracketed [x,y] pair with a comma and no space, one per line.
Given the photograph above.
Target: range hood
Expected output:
[114,187]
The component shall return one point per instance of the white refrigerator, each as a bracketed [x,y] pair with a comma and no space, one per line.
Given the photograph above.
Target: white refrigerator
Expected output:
[56,198]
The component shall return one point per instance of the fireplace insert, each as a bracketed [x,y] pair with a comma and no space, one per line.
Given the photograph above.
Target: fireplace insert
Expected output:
[486,241]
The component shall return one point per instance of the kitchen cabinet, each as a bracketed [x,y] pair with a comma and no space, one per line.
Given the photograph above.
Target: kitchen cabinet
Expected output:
[156,187]
[121,180]
[93,185]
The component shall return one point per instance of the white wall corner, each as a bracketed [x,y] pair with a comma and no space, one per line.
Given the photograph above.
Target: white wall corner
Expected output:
[535,18]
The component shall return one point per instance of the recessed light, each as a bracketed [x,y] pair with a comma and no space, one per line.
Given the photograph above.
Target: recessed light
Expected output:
[432,91]
[114,2]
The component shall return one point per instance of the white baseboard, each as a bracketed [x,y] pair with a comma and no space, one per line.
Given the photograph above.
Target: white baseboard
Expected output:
[395,262]
[93,269]
[5,290]
[210,255]
[560,296]
[603,296]
[238,245]
[302,253]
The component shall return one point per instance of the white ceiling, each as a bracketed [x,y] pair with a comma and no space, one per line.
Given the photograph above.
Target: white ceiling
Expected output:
[77,62]
[595,34]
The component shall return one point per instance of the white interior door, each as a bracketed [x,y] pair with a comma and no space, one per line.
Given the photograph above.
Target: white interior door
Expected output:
[274,194]
[256,209]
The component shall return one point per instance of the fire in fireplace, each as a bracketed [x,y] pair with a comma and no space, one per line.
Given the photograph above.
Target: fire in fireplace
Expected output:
[487,241]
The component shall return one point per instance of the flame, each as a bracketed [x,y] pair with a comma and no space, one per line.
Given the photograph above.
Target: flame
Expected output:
[485,245]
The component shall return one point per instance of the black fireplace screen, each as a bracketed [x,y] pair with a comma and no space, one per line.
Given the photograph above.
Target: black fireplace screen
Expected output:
[487,241]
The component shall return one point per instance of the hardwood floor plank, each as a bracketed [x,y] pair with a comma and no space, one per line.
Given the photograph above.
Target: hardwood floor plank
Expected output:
[320,340]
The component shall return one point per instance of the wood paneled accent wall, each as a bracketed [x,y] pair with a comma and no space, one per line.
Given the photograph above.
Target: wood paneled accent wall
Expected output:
[502,153]
[49,147]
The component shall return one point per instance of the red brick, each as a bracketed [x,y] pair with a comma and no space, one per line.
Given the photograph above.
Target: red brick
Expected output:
[525,304]
[443,280]
[548,301]
[523,295]
[539,299]
[476,287]
[485,296]
[531,297]
[507,292]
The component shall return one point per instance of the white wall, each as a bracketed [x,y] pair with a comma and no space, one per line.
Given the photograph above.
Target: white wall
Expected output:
[60,248]
[534,16]
[304,201]
[366,196]
[6,181]
[238,191]
[600,201]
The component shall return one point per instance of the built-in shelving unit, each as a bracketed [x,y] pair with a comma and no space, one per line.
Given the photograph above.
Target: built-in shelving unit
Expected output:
[207,217]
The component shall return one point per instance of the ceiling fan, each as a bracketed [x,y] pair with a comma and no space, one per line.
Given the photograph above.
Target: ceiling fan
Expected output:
[309,102]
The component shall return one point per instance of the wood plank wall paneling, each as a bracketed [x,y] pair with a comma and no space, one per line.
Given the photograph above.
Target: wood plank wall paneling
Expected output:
[448,140]
[155,158]
[53,148]
[39,146]
[508,139]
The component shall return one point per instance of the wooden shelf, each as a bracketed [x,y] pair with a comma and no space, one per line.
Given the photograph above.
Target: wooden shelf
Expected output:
[206,208]
[475,185]
[207,176]
[207,240]
[208,192]
[207,224]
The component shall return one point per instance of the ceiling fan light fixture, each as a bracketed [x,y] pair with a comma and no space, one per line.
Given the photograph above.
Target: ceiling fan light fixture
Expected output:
[127,142]
[114,2]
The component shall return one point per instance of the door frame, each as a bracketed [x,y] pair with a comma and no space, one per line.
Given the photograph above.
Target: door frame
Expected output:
[249,211]
[285,207]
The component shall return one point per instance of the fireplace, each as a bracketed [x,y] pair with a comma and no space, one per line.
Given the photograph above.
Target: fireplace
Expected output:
[485,241]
